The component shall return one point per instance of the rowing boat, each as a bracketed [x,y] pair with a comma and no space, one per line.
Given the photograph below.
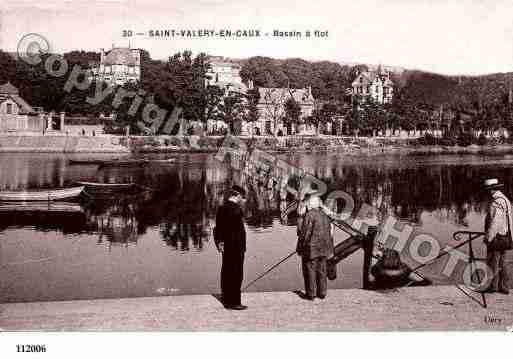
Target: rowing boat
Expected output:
[100,186]
[124,163]
[169,160]
[86,162]
[54,206]
[41,195]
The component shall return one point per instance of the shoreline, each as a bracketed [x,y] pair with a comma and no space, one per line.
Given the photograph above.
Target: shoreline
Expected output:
[211,144]
[407,308]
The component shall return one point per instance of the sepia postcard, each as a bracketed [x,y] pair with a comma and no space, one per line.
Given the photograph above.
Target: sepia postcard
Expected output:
[256,166]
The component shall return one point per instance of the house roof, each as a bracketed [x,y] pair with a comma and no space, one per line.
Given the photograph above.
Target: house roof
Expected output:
[8,88]
[7,91]
[368,77]
[225,63]
[277,95]
[121,56]
[24,106]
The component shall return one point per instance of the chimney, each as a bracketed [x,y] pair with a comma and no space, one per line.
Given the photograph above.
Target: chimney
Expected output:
[102,55]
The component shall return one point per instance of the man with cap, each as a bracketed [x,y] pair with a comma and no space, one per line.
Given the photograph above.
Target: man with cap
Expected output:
[230,239]
[315,245]
[498,222]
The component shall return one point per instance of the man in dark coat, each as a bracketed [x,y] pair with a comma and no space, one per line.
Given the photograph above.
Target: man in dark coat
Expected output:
[230,238]
[315,245]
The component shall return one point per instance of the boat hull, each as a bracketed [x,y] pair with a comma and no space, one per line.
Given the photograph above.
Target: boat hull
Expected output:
[95,189]
[86,162]
[54,206]
[43,195]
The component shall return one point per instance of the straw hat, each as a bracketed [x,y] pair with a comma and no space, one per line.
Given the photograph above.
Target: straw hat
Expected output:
[313,202]
[492,183]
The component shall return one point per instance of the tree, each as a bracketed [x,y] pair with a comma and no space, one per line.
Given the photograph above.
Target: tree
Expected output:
[82,58]
[292,113]
[329,110]
[251,112]
[322,116]
[231,111]
[273,102]
[38,87]
[213,98]
[7,68]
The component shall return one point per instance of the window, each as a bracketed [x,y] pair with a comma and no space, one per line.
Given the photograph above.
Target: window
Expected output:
[9,108]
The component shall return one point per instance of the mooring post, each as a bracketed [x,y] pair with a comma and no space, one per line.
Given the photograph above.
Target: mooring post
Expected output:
[368,246]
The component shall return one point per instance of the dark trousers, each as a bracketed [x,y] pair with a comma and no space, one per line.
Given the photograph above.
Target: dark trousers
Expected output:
[232,272]
[496,262]
[315,275]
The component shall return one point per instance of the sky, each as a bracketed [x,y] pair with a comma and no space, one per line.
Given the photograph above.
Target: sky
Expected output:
[468,37]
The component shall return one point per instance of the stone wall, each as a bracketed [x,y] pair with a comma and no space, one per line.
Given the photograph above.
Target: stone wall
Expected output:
[83,130]
[70,144]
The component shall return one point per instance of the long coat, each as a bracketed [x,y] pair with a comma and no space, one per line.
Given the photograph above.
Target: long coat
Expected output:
[230,228]
[315,239]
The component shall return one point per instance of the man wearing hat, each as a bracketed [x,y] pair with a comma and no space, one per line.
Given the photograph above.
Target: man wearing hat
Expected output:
[498,223]
[230,239]
[315,245]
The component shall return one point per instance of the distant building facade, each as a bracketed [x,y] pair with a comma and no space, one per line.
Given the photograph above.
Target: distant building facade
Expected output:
[226,76]
[118,66]
[376,85]
[271,110]
[16,115]
[271,105]
[223,73]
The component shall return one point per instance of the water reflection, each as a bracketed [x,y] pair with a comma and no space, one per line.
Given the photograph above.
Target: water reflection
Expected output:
[185,197]
[114,220]
[67,218]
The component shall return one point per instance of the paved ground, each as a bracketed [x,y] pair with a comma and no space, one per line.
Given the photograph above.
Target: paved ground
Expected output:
[421,308]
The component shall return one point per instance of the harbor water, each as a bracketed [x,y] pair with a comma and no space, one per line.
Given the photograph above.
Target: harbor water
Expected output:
[160,242]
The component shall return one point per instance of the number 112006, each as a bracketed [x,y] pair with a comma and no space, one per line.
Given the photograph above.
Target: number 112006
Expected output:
[29,348]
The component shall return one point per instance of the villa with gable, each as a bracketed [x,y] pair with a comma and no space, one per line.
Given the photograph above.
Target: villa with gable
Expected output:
[271,104]
[271,109]
[117,66]
[376,85]
[16,115]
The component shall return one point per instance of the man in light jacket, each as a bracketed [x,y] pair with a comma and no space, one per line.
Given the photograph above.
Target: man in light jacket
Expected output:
[315,245]
[497,222]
